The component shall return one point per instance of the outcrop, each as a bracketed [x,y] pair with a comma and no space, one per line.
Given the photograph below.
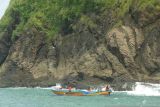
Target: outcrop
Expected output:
[95,51]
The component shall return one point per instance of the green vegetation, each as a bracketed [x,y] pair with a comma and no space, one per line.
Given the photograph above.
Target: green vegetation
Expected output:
[143,4]
[54,16]
[4,22]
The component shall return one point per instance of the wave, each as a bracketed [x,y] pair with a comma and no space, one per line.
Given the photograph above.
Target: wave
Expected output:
[46,88]
[15,88]
[145,89]
[138,89]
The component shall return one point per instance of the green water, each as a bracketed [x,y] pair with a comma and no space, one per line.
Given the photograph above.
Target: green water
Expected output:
[36,97]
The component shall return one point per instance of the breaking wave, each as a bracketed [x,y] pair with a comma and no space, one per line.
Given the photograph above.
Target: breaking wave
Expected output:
[145,89]
[138,89]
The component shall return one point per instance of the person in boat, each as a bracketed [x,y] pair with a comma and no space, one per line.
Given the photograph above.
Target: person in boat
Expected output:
[69,88]
[89,89]
[107,88]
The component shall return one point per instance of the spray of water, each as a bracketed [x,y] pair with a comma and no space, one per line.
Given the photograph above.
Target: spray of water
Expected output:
[145,89]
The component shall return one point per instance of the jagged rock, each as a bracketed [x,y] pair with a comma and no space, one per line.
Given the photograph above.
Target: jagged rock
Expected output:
[95,52]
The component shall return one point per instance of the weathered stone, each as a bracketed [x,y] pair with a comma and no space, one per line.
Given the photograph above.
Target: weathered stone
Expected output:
[88,55]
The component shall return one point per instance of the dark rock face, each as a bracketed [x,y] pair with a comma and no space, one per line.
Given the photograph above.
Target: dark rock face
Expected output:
[4,47]
[150,55]
[89,55]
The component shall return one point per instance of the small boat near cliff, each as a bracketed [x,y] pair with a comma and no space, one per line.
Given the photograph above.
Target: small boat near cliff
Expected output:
[58,90]
[80,93]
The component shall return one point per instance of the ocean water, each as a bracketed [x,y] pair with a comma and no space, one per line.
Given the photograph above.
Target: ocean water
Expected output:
[141,96]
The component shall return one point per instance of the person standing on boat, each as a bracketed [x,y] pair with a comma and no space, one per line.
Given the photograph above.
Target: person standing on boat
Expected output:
[107,88]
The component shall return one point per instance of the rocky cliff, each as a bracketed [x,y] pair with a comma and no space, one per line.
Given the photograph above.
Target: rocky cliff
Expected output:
[98,46]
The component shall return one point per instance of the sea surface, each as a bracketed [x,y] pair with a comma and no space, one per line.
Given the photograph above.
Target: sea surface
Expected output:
[141,96]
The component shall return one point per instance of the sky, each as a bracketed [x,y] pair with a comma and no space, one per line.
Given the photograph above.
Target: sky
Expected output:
[3,6]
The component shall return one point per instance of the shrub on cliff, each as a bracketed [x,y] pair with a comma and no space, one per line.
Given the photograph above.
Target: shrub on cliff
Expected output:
[54,16]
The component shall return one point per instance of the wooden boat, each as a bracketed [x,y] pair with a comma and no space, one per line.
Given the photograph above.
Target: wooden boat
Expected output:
[58,90]
[80,93]
[67,93]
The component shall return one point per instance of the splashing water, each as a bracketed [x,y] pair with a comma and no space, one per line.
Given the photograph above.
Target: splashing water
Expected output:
[145,89]
[143,95]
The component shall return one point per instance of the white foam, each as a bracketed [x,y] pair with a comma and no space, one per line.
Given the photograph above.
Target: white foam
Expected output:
[28,88]
[15,88]
[145,89]
[45,88]
[116,98]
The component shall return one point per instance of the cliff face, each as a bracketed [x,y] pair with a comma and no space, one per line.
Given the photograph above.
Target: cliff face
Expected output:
[97,49]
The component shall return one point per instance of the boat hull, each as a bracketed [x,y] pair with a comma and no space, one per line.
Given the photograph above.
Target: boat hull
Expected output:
[68,93]
[80,93]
